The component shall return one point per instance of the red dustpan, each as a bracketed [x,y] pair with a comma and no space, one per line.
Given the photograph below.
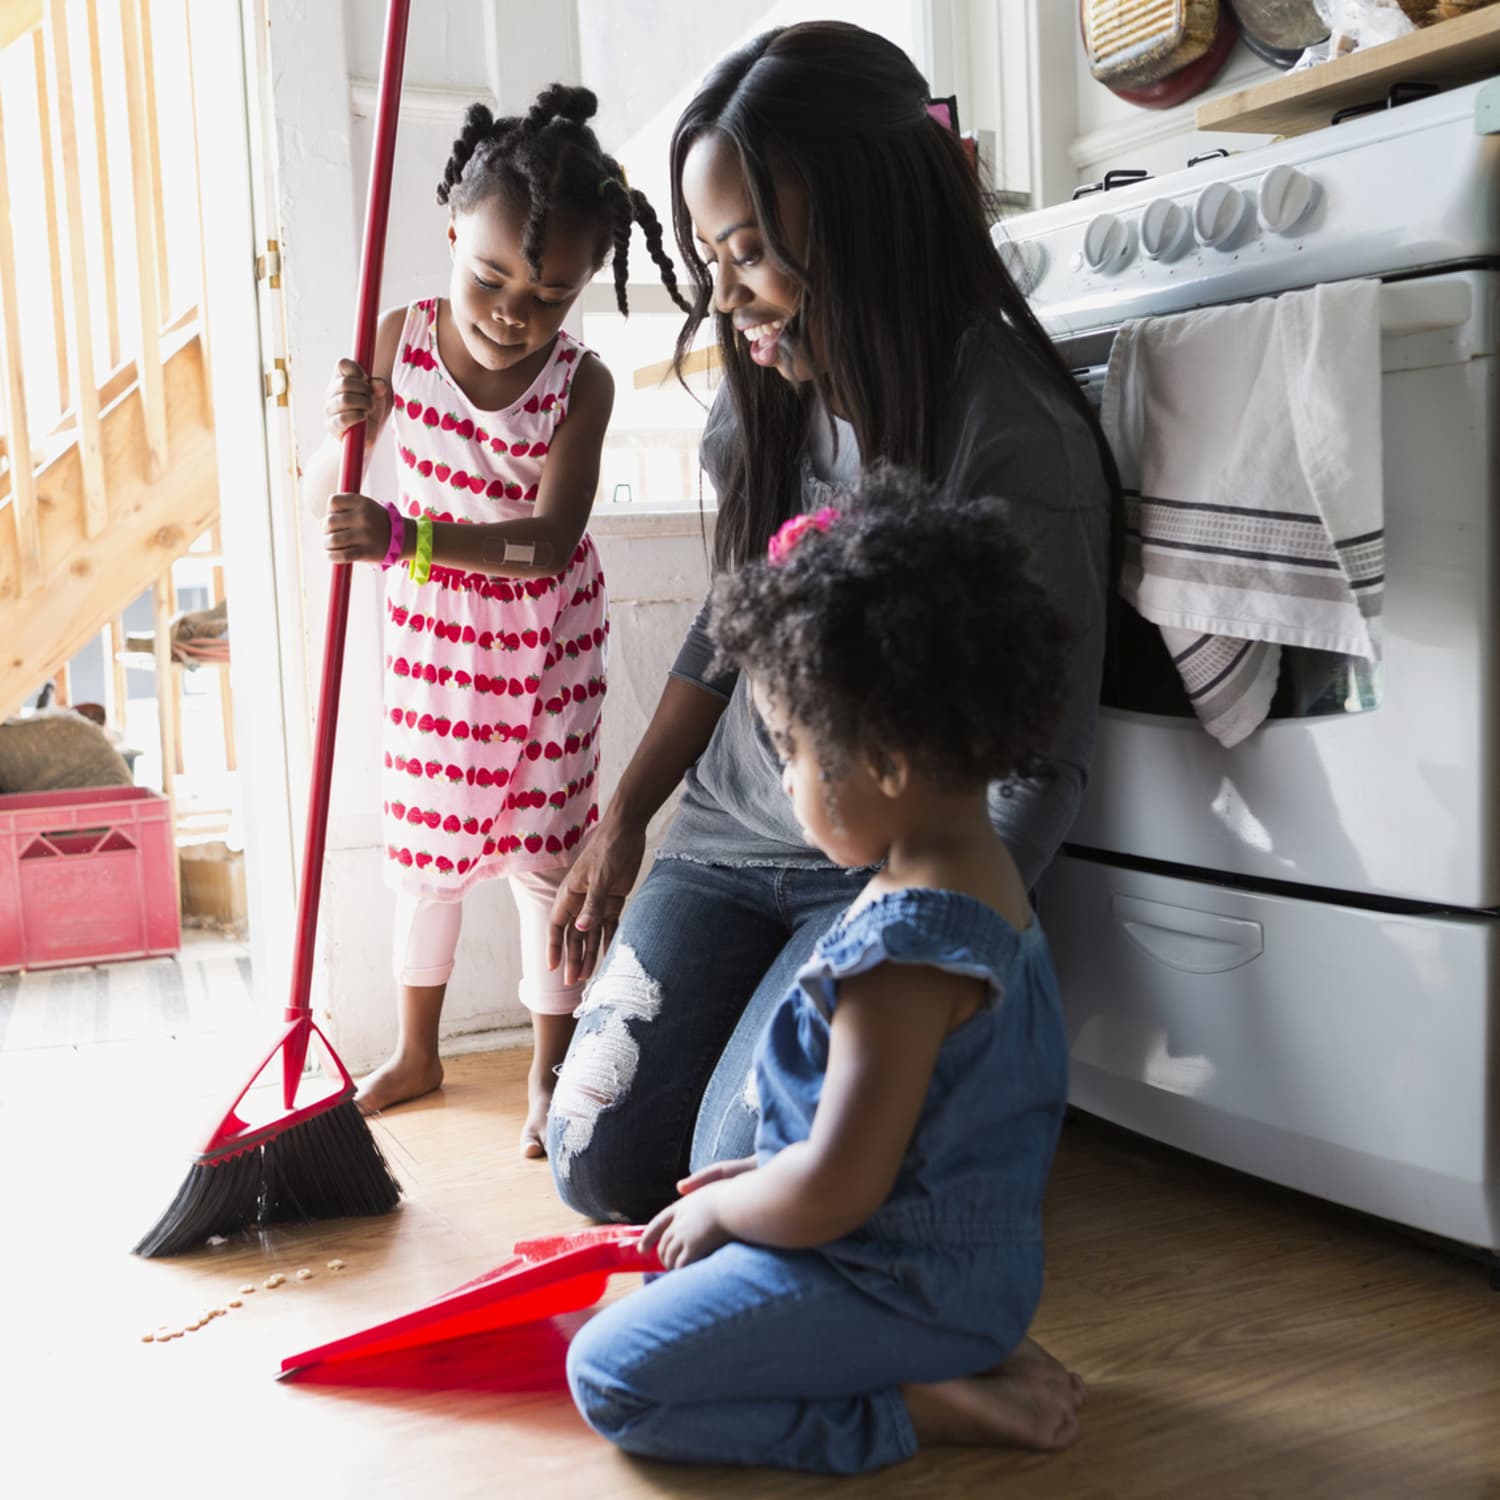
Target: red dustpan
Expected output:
[542,1278]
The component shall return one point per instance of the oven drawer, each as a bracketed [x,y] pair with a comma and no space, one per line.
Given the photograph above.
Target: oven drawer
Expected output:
[1344,1052]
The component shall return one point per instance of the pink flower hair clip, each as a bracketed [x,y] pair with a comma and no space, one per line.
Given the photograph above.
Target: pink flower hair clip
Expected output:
[790,532]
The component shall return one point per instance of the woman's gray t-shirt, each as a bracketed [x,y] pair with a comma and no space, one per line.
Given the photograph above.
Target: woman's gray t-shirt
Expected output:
[1012,435]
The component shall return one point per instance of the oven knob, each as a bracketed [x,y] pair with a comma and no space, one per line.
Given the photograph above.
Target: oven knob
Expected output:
[1165,231]
[1106,243]
[1025,262]
[1218,214]
[1285,197]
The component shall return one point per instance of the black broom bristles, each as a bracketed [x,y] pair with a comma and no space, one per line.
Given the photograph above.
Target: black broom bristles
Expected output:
[325,1167]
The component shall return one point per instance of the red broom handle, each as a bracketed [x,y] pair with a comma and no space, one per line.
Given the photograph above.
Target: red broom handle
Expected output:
[372,260]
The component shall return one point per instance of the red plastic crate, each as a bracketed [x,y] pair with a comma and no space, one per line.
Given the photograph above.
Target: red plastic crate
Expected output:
[86,877]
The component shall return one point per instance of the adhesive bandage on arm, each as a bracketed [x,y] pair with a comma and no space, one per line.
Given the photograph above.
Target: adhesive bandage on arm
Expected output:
[503,553]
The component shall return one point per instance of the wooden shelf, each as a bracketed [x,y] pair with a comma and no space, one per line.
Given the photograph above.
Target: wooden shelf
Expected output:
[1451,53]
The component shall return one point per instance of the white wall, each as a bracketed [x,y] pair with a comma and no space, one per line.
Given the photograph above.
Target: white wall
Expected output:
[1019,71]
[1107,132]
[323,63]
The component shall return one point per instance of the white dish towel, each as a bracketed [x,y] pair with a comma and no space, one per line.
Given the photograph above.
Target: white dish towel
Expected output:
[1249,444]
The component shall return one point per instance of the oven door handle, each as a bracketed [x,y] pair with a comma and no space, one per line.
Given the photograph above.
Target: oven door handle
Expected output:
[1408,307]
[1195,942]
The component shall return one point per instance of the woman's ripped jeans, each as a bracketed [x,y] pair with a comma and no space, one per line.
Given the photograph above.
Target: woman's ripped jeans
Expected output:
[658,1079]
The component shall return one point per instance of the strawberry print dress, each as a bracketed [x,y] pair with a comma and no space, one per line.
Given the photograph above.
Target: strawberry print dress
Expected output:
[493,686]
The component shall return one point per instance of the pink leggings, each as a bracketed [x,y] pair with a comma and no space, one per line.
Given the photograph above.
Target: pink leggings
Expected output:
[426,939]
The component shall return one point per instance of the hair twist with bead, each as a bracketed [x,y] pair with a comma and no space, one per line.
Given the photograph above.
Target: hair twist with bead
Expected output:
[548,165]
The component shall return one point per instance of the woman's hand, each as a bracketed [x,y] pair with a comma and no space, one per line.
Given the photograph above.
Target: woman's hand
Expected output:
[592,896]
[356,529]
[687,1230]
[354,397]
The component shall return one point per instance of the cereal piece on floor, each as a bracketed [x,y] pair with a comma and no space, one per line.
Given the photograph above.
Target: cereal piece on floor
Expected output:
[335,1265]
[248,1287]
[148,1338]
[235,1302]
[304,1274]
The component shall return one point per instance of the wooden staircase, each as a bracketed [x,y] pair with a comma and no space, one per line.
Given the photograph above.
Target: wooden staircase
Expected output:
[123,480]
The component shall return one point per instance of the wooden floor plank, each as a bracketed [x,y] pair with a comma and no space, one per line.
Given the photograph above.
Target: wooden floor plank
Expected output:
[1239,1341]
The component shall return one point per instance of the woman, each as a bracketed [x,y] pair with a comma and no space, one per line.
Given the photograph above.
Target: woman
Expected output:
[839,236]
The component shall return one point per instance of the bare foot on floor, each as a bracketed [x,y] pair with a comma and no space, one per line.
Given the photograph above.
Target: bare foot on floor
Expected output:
[1022,1403]
[539,1085]
[397,1081]
[1030,1357]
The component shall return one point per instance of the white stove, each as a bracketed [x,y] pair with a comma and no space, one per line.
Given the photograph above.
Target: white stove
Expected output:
[1286,956]
[1399,192]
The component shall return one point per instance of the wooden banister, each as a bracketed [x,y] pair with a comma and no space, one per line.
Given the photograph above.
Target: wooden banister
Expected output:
[202,297]
[54,229]
[85,392]
[17,17]
[153,146]
[118,685]
[118,383]
[144,170]
[108,477]
[106,212]
[22,482]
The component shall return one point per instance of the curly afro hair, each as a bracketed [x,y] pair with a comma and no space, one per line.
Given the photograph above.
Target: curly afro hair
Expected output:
[909,626]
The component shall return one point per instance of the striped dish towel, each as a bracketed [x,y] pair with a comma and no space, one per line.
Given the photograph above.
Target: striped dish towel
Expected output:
[1248,440]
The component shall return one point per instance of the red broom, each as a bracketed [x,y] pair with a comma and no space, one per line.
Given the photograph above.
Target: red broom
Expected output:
[317,1160]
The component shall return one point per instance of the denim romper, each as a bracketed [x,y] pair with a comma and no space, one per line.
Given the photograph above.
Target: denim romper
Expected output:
[977,1165]
[794,1358]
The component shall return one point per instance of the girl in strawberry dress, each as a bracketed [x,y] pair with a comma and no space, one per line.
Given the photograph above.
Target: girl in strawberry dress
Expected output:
[496,629]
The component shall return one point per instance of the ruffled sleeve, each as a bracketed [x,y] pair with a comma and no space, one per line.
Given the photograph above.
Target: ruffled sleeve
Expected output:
[921,928]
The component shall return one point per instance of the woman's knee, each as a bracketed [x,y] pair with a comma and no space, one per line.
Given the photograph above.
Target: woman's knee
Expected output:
[610,1155]
[592,1159]
[626,1095]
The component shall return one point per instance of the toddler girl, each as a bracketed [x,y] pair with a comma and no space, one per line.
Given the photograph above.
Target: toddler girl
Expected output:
[496,631]
[863,1283]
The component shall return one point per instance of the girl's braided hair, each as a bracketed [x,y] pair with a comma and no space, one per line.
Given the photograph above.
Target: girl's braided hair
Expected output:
[549,162]
[846,635]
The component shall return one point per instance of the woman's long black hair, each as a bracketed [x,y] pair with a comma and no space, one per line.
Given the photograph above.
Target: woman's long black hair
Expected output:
[899,261]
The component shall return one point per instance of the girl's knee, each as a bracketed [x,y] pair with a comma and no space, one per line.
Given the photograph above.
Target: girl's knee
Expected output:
[603,1397]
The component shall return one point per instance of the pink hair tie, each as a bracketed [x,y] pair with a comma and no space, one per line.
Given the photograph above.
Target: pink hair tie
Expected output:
[790,532]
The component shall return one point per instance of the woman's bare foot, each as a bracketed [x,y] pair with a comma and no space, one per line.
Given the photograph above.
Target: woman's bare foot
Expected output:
[396,1081]
[1031,1401]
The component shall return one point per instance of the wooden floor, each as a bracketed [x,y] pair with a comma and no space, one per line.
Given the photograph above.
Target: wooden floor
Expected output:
[1238,1341]
[202,988]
